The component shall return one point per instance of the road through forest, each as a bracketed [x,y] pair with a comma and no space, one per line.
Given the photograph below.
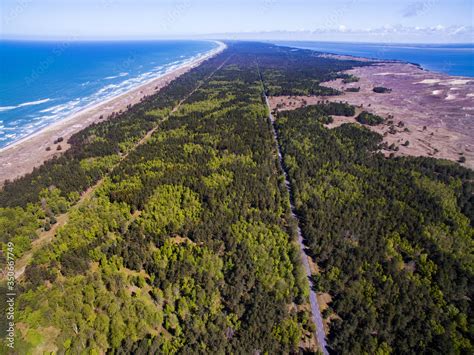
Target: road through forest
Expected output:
[315,311]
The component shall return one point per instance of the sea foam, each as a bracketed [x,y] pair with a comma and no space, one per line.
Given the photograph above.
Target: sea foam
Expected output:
[31,103]
[82,79]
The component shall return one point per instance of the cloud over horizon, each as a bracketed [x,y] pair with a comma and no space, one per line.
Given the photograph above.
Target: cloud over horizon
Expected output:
[388,33]
[402,20]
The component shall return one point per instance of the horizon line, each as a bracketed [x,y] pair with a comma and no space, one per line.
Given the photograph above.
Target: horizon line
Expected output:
[27,38]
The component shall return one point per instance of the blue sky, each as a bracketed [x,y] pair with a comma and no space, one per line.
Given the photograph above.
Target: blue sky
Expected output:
[358,20]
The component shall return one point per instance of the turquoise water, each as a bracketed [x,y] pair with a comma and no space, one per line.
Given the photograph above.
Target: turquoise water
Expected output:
[44,82]
[452,59]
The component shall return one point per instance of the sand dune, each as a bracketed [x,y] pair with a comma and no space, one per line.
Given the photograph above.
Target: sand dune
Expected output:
[437,122]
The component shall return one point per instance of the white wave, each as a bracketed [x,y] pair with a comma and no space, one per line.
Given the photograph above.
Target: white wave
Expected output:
[58,112]
[62,107]
[116,76]
[34,103]
[51,109]
[7,108]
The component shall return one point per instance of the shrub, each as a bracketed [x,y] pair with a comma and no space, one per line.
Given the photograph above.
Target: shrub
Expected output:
[369,118]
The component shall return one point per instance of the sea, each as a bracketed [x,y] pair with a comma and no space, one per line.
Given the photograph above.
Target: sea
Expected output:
[452,59]
[43,82]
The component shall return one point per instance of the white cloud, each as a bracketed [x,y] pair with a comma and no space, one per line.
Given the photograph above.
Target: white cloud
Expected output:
[459,30]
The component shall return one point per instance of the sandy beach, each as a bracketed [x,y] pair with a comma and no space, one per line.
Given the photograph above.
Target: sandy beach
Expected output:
[24,155]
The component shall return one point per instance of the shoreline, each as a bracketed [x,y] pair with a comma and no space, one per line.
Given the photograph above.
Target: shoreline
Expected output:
[375,60]
[198,58]
[22,156]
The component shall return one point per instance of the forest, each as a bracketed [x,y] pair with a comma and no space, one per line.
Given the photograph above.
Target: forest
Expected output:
[167,228]
[186,242]
[393,238]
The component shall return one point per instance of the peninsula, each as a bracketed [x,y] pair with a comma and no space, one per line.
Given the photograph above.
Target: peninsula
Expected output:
[266,200]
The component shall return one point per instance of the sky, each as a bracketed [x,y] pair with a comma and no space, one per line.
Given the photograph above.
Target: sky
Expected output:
[435,21]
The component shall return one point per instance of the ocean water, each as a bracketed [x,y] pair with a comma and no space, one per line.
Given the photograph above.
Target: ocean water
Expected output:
[44,82]
[452,59]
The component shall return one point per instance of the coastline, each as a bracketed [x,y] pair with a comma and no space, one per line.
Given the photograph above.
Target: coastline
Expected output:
[369,57]
[22,156]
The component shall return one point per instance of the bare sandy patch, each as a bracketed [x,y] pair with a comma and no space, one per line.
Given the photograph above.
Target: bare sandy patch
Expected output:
[429,81]
[389,73]
[313,267]
[324,299]
[458,81]
[340,120]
